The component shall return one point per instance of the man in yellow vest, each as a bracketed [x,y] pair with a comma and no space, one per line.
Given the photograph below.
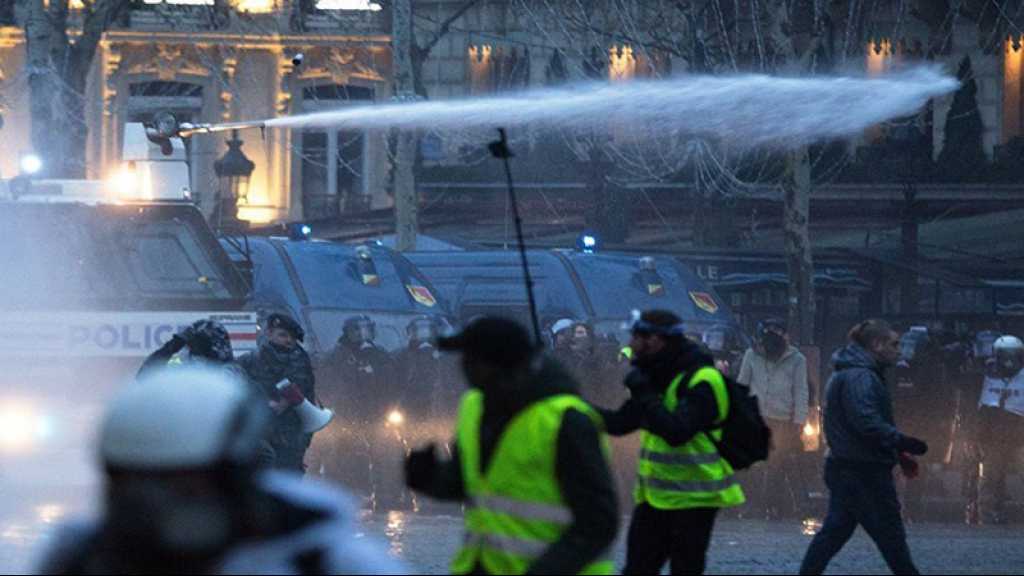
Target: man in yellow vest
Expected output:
[529,461]
[677,397]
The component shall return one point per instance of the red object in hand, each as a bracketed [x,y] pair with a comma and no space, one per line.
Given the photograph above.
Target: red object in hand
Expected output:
[908,465]
[290,392]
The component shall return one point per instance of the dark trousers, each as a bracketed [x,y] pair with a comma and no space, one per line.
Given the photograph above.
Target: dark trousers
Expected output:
[657,536]
[780,487]
[865,496]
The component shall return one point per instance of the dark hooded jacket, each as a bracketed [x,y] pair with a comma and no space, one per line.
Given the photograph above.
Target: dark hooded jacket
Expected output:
[581,469]
[859,425]
[696,410]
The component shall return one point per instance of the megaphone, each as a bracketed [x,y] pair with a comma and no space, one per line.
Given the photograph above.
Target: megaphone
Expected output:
[312,418]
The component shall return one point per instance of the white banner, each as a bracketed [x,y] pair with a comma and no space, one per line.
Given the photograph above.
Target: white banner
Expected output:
[110,334]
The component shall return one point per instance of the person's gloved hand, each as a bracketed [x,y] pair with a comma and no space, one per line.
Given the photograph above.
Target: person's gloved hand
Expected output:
[179,340]
[420,467]
[640,385]
[911,445]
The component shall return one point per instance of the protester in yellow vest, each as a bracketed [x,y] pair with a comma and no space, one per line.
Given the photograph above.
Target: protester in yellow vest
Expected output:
[677,397]
[529,461]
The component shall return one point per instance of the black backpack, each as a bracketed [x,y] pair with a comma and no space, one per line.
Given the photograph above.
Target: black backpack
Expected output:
[746,439]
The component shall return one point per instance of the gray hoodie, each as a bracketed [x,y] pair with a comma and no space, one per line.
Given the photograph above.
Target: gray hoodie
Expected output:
[859,426]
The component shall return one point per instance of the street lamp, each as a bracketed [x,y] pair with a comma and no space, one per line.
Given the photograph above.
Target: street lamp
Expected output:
[233,170]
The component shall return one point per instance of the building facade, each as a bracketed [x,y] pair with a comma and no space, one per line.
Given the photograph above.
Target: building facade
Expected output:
[229,60]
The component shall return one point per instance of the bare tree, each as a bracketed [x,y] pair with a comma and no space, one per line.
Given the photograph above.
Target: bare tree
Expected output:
[408,58]
[59,64]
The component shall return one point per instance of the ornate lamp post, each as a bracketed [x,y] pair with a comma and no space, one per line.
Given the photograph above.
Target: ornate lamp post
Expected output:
[233,170]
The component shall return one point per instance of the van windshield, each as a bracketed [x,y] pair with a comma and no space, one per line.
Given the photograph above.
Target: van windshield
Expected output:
[110,257]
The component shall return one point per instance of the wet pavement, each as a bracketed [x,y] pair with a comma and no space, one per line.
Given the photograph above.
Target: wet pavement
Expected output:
[426,541]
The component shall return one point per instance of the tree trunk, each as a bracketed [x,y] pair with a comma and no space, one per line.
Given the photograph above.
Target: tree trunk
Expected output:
[796,195]
[71,123]
[793,29]
[38,34]
[58,72]
[406,201]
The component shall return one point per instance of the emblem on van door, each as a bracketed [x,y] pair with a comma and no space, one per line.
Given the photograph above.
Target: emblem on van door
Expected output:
[704,301]
[422,295]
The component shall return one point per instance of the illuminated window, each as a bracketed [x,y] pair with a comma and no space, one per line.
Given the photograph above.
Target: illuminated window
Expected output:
[480,76]
[621,63]
[347,5]
[255,6]
[880,56]
[495,68]
[181,2]
[1013,118]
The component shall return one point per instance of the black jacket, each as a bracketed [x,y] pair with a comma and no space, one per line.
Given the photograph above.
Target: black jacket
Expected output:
[696,410]
[264,369]
[859,425]
[582,471]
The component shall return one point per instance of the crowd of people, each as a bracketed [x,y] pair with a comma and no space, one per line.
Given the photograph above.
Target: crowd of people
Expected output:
[203,456]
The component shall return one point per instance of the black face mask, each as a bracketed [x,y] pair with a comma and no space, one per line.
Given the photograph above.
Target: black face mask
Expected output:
[774,345]
[280,349]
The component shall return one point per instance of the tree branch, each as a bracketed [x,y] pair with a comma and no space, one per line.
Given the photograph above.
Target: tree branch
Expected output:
[97,21]
[424,51]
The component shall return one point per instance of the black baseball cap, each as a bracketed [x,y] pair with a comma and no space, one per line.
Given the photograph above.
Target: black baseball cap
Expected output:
[285,322]
[493,339]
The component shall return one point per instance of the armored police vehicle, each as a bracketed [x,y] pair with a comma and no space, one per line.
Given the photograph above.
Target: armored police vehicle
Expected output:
[97,274]
[601,289]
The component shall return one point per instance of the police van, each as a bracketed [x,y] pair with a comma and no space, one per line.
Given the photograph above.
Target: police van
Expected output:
[322,284]
[601,289]
[98,274]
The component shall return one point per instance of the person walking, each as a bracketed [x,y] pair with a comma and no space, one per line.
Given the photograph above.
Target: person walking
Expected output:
[529,461]
[863,447]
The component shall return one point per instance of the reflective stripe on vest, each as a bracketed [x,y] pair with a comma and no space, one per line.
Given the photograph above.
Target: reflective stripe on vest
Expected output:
[679,459]
[526,510]
[516,510]
[692,475]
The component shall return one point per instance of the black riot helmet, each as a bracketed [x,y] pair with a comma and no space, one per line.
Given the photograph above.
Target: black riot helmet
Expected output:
[359,330]
[423,330]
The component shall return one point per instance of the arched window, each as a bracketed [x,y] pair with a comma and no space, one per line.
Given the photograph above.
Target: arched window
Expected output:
[333,162]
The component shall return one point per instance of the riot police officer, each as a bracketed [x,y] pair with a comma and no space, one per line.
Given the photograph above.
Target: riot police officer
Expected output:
[1001,422]
[360,372]
[359,384]
[427,378]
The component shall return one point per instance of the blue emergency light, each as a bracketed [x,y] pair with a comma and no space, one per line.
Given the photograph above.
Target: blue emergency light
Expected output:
[588,243]
[299,231]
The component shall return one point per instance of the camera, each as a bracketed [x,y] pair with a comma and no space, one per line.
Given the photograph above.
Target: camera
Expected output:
[297,59]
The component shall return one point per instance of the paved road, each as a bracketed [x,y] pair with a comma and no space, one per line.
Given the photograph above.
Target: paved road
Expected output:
[426,541]
[751,547]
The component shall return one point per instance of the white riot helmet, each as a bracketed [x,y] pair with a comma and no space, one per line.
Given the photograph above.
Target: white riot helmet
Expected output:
[183,419]
[1009,353]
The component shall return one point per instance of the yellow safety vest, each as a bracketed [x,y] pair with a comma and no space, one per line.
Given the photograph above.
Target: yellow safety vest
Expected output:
[515,509]
[692,475]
